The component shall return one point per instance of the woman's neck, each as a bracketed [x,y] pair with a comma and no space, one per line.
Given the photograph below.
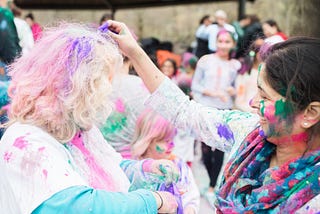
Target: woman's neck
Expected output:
[222,56]
[293,147]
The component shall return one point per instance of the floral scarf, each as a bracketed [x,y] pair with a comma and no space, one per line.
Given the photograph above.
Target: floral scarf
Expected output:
[250,186]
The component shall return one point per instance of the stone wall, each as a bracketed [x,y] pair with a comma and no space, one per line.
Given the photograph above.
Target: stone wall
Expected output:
[178,23]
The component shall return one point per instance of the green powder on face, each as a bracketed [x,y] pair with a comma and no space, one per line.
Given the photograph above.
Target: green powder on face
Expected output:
[159,149]
[262,108]
[283,109]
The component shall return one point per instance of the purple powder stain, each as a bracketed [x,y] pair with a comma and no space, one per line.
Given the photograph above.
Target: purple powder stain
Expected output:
[224,131]
[7,156]
[261,133]
[20,143]
[104,28]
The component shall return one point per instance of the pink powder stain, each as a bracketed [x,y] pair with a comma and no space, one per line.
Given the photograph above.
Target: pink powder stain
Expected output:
[41,149]
[45,173]
[97,173]
[119,106]
[20,143]
[7,156]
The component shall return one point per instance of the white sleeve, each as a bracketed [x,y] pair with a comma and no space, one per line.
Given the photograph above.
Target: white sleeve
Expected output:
[217,128]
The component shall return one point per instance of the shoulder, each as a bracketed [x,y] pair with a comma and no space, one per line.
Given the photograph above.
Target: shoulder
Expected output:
[235,64]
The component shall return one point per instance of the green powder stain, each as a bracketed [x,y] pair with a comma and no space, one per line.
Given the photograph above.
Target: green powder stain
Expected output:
[163,169]
[115,123]
[159,149]
[283,109]
[262,108]
[259,68]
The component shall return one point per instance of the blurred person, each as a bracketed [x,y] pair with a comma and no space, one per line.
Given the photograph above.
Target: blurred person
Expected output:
[213,85]
[170,69]
[23,29]
[213,29]
[35,27]
[9,40]
[273,32]
[128,96]
[252,31]
[202,36]
[9,50]
[154,138]
[105,17]
[245,85]
[53,157]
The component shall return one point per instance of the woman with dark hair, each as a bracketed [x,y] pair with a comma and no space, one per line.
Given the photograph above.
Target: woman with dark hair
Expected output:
[169,68]
[273,32]
[275,154]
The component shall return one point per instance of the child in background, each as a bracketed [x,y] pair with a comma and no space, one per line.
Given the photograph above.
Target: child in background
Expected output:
[213,86]
[154,139]
[246,83]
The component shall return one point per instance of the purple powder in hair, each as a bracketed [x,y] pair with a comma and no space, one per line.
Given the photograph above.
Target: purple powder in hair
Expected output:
[79,52]
[105,28]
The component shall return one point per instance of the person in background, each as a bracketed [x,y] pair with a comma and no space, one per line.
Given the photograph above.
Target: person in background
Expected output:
[252,31]
[202,35]
[9,50]
[35,27]
[275,154]
[273,32]
[154,138]
[23,29]
[128,96]
[53,156]
[170,69]
[105,17]
[246,83]
[213,29]
[213,85]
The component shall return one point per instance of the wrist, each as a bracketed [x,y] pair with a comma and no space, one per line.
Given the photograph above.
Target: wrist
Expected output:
[159,199]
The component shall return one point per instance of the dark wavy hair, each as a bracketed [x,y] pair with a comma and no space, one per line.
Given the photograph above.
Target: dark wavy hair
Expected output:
[293,70]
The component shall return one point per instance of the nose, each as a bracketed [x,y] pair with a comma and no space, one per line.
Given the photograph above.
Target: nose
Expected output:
[255,102]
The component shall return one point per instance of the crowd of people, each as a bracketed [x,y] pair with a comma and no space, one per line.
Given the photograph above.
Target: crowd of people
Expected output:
[94,124]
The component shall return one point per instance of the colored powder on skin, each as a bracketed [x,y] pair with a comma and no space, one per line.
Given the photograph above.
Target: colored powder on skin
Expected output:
[283,109]
[262,108]
[159,149]
[261,133]
[259,68]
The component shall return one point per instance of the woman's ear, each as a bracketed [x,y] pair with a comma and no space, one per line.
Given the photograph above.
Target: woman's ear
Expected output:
[311,115]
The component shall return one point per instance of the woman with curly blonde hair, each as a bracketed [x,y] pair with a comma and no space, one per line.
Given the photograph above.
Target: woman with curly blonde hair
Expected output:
[53,158]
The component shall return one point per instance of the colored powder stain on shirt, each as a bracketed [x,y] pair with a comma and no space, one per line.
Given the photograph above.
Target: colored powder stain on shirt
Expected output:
[224,131]
[20,143]
[159,149]
[41,149]
[7,156]
[45,173]
[120,107]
